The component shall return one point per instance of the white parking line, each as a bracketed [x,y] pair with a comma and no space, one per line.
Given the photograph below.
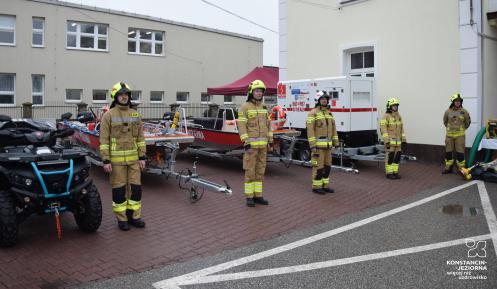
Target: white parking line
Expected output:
[327,264]
[197,276]
[489,213]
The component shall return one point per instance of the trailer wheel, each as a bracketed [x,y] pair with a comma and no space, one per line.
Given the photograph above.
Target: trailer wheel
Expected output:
[305,153]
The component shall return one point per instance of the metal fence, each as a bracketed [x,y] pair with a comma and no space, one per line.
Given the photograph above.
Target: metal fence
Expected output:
[148,111]
[54,111]
[12,111]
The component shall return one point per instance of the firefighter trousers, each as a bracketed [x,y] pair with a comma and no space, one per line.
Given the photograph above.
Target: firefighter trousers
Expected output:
[254,164]
[457,144]
[321,167]
[126,190]
[392,159]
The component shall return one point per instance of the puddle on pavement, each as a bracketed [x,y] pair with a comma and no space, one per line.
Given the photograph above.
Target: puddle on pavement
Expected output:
[460,210]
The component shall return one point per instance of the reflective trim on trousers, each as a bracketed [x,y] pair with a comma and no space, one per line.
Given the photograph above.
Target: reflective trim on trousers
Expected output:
[249,189]
[119,208]
[134,205]
[388,169]
[395,168]
[257,187]
[317,183]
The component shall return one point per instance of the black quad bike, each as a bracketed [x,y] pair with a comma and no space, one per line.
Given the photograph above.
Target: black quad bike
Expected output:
[42,174]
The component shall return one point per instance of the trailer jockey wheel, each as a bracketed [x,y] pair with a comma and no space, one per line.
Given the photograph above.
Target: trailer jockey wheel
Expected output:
[305,152]
[195,194]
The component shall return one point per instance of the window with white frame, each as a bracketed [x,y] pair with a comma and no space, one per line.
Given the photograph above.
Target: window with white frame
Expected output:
[205,98]
[156,96]
[360,62]
[136,96]
[38,38]
[144,41]
[182,97]
[7,30]
[99,95]
[73,95]
[7,88]
[228,99]
[38,88]
[87,36]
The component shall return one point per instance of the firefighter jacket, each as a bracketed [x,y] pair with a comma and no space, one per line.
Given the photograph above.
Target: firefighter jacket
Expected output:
[254,124]
[121,136]
[321,128]
[456,121]
[392,129]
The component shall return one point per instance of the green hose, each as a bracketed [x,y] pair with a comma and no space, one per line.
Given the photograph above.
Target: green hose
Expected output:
[488,155]
[474,148]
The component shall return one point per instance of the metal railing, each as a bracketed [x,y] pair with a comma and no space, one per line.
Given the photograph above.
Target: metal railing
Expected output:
[148,111]
[12,111]
[54,111]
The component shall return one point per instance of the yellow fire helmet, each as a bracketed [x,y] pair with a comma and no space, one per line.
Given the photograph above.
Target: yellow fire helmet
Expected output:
[256,84]
[391,102]
[455,96]
[119,88]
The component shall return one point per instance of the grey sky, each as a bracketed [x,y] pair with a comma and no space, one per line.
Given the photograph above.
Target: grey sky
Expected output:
[264,12]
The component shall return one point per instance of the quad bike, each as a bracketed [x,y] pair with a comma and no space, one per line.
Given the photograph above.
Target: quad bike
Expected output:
[41,174]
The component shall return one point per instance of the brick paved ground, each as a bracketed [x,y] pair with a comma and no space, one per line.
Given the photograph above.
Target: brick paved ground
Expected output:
[177,230]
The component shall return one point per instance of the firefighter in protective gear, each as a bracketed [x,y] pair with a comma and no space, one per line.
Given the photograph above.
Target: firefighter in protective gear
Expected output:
[122,149]
[456,120]
[254,126]
[322,136]
[392,131]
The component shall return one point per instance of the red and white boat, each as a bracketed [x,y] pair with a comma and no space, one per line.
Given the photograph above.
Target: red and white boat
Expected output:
[164,140]
[218,137]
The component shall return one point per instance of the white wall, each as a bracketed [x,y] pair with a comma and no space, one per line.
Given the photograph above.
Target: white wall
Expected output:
[489,69]
[416,49]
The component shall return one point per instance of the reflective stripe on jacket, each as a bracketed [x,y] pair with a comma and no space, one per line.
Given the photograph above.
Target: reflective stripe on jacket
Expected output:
[254,124]
[456,121]
[121,136]
[392,129]
[321,128]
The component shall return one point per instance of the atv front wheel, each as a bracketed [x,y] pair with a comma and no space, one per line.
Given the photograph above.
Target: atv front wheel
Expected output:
[88,213]
[8,220]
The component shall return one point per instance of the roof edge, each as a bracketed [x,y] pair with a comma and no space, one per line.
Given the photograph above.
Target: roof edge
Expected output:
[146,17]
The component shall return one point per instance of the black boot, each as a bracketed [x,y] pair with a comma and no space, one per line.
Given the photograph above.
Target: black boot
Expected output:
[139,223]
[329,190]
[447,171]
[319,191]
[397,176]
[250,202]
[261,201]
[391,177]
[123,225]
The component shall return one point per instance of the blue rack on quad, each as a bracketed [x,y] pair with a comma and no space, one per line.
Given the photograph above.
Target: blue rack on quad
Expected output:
[40,174]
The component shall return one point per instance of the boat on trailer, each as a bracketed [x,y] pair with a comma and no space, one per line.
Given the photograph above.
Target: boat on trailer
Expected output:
[218,137]
[164,140]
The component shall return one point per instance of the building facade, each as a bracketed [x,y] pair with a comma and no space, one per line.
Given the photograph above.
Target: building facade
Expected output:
[421,52]
[54,52]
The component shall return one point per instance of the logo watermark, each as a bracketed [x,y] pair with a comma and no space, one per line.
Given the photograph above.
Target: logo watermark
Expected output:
[474,268]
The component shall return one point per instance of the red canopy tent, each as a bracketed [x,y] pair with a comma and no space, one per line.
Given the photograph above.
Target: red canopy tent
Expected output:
[268,74]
